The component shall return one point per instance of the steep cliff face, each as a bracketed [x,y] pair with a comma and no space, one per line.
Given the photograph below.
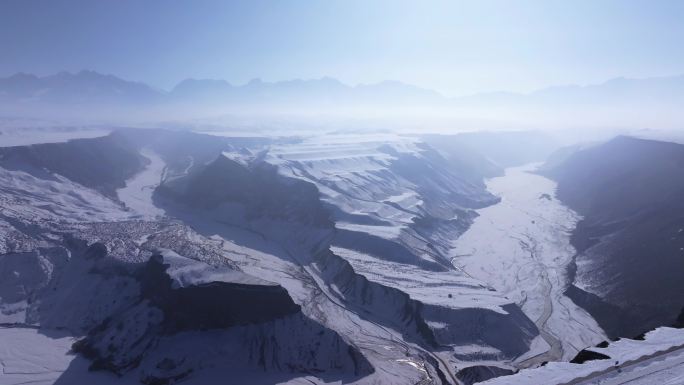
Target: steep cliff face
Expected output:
[480,373]
[250,321]
[257,188]
[102,163]
[149,318]
[630,243]
[398,204]
[389,192]
[433,316]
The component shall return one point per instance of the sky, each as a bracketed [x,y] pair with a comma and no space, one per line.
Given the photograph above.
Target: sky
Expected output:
[454,47]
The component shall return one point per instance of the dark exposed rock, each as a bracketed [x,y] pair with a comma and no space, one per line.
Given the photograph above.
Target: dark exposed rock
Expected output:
[258,188]
[511,333]
[102,163]
[679,323]
[251,318]
[587,355]
[213,305]
[95,251]
[479,373]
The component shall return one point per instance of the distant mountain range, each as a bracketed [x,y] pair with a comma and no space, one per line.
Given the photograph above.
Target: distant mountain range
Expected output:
[85,87]
[88,87]
[645,102]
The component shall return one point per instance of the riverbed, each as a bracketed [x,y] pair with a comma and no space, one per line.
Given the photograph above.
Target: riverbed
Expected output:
[521,248]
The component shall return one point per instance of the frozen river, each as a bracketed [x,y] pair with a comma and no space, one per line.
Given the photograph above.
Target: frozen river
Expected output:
[137,195]
[521,247]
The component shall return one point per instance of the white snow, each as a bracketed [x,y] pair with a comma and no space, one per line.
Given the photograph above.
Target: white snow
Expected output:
[353,173]
[667,369]
[521,248]
[188,272]
[430,287]
[53,198]
[659,359]
[31,356]
[137,195]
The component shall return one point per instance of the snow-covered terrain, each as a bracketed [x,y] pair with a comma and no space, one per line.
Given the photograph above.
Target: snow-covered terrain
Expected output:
[32,356]
[521,247]
[342,258]
[137,195]
[337,247]
[380,263]
[663,369]
[12,136]
[658,359]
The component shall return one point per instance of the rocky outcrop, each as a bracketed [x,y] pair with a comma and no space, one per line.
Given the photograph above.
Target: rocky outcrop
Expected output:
[253,324]
[257,188]
[210,305]
[480,373]
[585,355]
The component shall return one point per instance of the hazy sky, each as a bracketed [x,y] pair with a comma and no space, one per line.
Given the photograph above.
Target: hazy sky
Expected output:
[454,47]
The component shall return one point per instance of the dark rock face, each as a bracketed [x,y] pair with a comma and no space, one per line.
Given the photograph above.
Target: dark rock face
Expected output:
[214,305]
[479,373]
[251,324]
[443,182]
[587,355]
[631,240]
[615,320]
[510,333]
[103,164]
[385,305]
[679,323]
[387,249]
[258,188]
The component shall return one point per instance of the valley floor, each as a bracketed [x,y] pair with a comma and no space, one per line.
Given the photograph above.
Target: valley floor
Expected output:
[521,247]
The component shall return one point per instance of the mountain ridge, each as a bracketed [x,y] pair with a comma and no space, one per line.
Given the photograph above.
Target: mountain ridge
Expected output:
[331,82]
[619,102]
